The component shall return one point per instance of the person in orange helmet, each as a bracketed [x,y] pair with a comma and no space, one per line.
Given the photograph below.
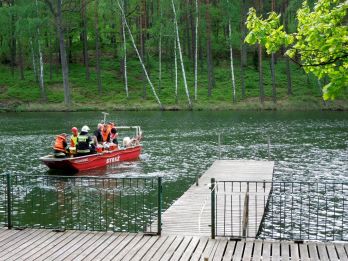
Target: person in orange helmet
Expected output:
[60,146]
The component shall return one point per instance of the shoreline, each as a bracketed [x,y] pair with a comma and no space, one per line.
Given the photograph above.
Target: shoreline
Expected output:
[251,104]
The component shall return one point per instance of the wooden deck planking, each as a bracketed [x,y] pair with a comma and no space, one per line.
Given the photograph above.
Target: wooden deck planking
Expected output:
[86,245]
[190,214]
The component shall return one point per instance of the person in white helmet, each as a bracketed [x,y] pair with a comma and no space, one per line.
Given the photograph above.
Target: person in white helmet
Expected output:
[85,144]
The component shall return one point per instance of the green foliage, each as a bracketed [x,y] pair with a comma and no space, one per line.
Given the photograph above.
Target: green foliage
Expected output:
[321,41]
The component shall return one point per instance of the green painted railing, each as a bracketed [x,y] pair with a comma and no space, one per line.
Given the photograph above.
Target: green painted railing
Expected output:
[292,210]
[81,203]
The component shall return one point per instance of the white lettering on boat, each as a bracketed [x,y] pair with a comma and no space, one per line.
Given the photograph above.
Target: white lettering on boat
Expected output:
[81,160]
[112,160]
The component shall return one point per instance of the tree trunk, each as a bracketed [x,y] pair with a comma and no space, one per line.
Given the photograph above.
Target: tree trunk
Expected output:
[288,72]
[176,72]
[20,59]
[180,56]
[196,48]
[64,62]
[42,83]
[160,53]
[33,60]
[261,86]
[274,93]
[243,53]
[209,50]
[142,26]
[139,57]
[97,47]
[125,53]
[231,61]
[84,36]
[50,57]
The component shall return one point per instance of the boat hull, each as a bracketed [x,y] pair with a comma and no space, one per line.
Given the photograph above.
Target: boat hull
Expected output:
[92,161]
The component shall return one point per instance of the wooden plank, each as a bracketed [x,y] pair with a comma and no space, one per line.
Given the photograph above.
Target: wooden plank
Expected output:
[238,253]
[304,252]
[155,247]
[208,249]
[9,248]
[30,245]
[145,248]
[172,248]
[294,252]
[257,250]
[160,253]
[49,244]
[313,251]
[103,243]
[229,251]
[65,246]
[131,248]
[113,250]
[266,251]
[181,249]
[248,250]
[222,243]
[275,251]
[200,248]
[16,237]
[284,245]
[332,252]
[342,255]
[105,249]
[322,252]
[90,241]
[190,249]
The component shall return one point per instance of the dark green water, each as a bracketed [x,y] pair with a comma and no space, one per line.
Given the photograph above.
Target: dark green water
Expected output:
[309,146]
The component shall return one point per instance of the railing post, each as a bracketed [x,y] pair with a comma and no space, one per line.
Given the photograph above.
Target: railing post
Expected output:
[212,187]
[269,147]
[9,202]
[159,212]
[246,213]
[219,144]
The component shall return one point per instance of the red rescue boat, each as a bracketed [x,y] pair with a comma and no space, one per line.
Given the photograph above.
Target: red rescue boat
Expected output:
[128,152]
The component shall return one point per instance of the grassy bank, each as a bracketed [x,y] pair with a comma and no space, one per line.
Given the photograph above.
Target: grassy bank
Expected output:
[24,95]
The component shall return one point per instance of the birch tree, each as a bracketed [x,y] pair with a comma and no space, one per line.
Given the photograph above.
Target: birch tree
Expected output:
[138,54]
[231,57]
[180,56]
[42,85]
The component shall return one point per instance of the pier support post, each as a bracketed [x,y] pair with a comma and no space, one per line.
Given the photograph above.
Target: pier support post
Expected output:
[212,187]
[9,201]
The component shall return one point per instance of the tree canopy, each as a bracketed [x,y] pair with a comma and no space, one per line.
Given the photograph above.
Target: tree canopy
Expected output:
[320,44]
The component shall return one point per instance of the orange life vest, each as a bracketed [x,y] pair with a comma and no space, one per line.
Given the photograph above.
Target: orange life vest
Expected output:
[105,133]
[59,144]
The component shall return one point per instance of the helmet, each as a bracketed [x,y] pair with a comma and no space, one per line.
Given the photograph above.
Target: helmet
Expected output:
[85,128]
[74,130]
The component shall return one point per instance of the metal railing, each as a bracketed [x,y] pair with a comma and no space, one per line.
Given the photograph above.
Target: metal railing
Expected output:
[280,210]
[81,203]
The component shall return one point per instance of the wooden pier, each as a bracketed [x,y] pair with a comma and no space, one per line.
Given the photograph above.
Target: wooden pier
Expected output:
[191,213]
[35,244]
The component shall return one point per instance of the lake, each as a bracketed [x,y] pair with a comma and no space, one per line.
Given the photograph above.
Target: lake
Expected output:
[306,146]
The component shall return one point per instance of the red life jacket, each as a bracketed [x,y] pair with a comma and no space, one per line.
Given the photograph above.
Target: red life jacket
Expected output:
[59,144]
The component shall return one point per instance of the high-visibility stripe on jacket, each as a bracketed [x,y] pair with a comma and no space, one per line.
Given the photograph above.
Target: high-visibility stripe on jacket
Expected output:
[73,141]
[59,143]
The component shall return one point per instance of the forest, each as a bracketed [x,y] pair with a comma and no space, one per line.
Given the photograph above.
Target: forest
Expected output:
[163,54]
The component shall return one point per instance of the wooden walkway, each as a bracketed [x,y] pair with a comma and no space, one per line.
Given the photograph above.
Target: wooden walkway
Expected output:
[191,215]
[35,244]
